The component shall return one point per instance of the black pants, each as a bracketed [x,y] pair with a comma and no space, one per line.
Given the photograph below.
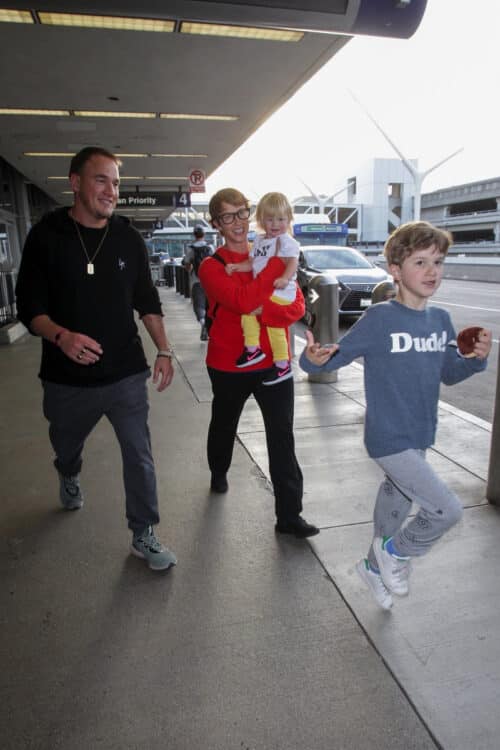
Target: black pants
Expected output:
[199,301]
[276,403]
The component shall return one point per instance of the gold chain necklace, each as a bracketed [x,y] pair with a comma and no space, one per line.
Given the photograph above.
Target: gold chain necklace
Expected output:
[90,261]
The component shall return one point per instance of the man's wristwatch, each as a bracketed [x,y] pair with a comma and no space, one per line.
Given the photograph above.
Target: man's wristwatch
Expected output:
[165,352]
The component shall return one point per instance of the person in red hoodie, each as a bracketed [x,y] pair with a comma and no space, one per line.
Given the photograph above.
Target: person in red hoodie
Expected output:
[229,297]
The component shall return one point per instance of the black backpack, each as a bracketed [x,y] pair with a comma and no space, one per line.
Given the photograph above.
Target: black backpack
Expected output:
[199,252]
[209,317]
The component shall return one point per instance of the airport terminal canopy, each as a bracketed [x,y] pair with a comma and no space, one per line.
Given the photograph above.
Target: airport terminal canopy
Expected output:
[169,85]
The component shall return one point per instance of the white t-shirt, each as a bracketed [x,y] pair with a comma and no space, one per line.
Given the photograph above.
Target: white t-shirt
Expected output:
[263,249]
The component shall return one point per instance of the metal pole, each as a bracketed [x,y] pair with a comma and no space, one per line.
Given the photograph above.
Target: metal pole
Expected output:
[493,486]
[326,324]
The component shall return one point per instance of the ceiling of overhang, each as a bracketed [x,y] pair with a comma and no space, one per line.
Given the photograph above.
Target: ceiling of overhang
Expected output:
[93,69]
[126,71]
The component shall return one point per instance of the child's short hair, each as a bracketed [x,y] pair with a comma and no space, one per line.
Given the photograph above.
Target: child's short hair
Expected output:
[273,204]
[226,195]
[412,236]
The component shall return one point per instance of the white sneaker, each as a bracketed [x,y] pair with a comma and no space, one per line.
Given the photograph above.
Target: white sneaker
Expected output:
[375,583]
[394,570]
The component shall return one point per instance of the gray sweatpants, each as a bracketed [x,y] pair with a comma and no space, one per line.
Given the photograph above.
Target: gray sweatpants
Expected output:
[73,412]
[410,479]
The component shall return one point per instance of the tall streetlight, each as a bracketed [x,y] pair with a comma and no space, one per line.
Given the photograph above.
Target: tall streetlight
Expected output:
[418,177]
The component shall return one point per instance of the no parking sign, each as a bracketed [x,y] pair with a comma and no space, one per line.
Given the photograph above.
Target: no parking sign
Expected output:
[197,181]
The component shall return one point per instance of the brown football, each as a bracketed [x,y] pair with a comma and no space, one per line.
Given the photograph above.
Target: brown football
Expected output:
[466,340]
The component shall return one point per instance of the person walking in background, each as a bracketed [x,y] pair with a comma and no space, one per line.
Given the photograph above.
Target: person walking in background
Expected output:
[229,297]
[195,253]
[409,348]
[83,273]
[274,216]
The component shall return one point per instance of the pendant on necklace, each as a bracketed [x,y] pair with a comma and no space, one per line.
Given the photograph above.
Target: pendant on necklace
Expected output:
[90,269]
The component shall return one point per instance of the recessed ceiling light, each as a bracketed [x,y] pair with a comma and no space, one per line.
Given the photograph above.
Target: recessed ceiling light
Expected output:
[40,112]
[179,116]
[97,113]
[241,32]
[122,23]
[182,156]
[49,153]
[15,16]
[57,178]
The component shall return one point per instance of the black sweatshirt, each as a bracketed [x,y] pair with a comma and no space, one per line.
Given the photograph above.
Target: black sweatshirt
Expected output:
[53,281]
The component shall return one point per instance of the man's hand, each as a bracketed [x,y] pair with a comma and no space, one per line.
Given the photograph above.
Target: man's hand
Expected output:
[79,348]
[163,372]
[316,353]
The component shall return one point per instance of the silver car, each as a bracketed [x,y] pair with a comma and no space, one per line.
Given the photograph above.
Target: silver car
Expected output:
[355,275]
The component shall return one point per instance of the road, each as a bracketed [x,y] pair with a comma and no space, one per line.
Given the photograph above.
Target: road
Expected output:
[469,303]
[473,303]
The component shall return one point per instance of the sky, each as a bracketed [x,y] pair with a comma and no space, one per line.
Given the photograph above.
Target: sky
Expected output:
[433,94]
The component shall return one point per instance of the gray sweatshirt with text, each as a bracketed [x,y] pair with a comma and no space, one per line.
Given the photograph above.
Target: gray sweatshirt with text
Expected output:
[407,355]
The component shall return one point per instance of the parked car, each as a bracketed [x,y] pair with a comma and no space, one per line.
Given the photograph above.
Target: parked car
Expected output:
[159,259]
[355,275]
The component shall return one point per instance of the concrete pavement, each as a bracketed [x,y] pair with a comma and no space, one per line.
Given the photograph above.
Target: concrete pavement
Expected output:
[252,642]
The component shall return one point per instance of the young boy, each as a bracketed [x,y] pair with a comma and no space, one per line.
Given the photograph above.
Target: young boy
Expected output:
[408,350]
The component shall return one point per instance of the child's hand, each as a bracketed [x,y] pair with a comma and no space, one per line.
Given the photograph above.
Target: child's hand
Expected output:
[316,353]
[229,268]
[482,345]
[280,282]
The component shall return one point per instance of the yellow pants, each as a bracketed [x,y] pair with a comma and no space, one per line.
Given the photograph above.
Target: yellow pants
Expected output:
[277,336]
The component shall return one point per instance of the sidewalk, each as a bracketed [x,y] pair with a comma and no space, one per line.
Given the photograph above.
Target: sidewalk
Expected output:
[252,642]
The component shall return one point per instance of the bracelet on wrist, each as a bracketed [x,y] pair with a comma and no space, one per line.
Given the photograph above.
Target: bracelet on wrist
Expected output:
[165,352]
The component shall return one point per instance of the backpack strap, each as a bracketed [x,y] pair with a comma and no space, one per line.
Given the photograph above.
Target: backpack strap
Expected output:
[218,257]
[209,318]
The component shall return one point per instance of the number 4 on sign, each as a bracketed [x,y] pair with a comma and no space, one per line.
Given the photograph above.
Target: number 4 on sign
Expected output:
[182,200]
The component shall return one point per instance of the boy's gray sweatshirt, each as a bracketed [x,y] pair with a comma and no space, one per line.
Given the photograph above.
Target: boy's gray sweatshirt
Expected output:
[407,354]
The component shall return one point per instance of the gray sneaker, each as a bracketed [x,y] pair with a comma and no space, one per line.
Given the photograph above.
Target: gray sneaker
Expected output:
[70,493]
[146,545]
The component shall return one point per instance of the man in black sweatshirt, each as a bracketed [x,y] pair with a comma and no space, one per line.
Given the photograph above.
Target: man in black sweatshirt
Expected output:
[83,273]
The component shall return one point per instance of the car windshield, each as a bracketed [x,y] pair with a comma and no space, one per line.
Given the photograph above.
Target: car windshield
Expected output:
[330,258]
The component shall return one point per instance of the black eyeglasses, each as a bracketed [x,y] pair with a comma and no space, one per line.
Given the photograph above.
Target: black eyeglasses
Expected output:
[243,214]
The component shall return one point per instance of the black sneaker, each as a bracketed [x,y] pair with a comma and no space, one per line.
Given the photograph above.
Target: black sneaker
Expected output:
[219,483]
[278,374]
[298,527]
[248,358]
